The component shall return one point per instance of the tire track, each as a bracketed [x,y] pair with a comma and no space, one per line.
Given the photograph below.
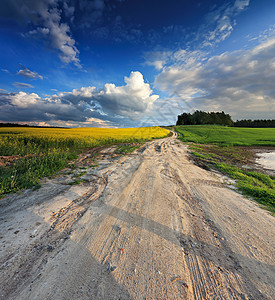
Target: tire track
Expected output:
[147,226]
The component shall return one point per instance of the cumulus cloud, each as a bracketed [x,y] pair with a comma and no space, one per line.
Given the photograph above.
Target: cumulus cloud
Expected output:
[240,82]
[22,85]
[131,100]
[31,107]
[111,105]
[25,72]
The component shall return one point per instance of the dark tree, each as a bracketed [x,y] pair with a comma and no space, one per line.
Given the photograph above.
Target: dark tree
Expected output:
[255,123]
[205,118]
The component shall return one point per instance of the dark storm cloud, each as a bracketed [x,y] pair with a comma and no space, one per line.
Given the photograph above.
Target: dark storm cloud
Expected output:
[30,107]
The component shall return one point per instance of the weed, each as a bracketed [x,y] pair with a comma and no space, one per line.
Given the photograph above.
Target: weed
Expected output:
[36,187]
[77,181]
[126,149]
[80,174]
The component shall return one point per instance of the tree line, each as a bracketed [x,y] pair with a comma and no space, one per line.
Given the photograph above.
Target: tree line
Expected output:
[26,125]
[219,118]
[255,123]
[204,118]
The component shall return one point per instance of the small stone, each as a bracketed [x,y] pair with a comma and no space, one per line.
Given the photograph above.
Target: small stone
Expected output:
[49,248]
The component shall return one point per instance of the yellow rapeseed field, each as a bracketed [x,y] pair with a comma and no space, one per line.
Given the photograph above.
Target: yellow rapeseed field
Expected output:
[28,154]
[25,140]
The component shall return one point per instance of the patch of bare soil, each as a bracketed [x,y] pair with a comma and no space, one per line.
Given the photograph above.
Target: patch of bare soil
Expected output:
[8,160]
[150,225]
[11,159]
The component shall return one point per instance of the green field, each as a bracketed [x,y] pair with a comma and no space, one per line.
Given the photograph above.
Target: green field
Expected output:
[227,136]
[29,154]
[220,147]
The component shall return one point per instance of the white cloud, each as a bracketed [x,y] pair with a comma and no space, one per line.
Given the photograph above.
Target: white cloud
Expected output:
[22,85]
[132,100]
[220,23]
[241,4]
[25,72]
[23,106]
[24,100]
[46,16]
[157,59]
[217,26]
[240,82]
[112,105]
[163,59]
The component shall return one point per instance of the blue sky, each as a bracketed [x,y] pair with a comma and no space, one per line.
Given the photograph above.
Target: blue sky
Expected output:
[121,63]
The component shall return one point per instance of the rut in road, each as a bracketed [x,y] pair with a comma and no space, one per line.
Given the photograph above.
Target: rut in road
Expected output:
[151,225]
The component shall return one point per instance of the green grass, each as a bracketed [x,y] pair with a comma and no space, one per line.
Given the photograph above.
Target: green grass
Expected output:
[227,136]
[27,171]
[77,181]
[126,149]
[80,174]
[219,147]
[257,185]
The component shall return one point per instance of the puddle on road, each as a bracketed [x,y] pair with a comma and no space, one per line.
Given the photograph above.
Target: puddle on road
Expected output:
[266,160]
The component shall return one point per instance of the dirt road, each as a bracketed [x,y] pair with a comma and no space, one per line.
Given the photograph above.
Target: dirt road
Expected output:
[150,225]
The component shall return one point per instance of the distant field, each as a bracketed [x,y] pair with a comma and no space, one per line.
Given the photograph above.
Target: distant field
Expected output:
[28,154]
[227,136]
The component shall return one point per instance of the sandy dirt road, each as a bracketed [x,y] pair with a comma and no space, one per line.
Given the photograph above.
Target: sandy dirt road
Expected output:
[150,225]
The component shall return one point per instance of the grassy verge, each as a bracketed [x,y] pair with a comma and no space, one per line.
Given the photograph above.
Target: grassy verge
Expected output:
[29,154]
[254,184]
[26,172]
[126,149]
[230,160]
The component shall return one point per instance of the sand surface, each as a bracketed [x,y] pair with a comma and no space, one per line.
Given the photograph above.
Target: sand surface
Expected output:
[150,225]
